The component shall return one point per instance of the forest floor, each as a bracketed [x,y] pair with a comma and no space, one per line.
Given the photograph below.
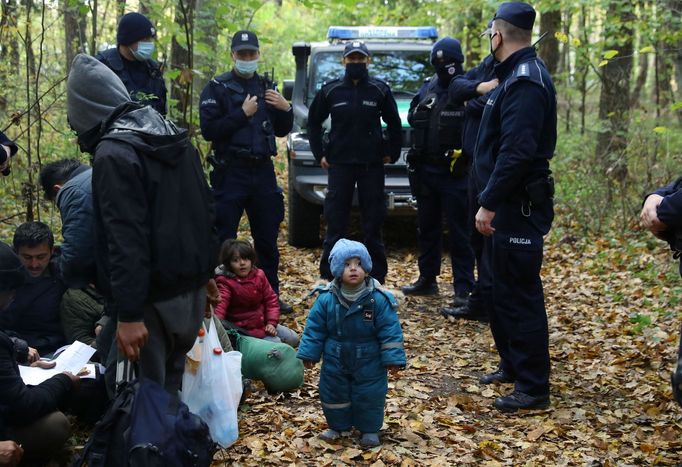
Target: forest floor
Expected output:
[613,340]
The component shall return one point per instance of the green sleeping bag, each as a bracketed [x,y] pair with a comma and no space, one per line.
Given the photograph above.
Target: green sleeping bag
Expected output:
[275,364]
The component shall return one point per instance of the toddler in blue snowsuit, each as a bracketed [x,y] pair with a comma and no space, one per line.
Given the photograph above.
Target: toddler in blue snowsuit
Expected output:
[354,326]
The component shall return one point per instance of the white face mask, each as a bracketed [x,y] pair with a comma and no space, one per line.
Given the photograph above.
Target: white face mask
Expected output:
[144,51]
[246,67]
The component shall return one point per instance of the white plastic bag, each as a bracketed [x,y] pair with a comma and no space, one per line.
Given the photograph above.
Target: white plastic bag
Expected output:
[212,386]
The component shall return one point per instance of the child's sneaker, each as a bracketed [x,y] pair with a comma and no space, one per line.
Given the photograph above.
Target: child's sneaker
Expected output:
[370,440]
[329,435]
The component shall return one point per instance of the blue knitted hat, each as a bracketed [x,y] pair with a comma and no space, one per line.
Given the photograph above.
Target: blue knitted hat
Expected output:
[345,249]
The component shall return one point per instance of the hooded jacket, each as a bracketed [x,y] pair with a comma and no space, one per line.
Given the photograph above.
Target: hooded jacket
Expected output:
[249,302]
[153,209]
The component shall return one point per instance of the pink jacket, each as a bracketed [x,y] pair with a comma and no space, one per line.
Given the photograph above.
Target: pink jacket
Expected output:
[248,302]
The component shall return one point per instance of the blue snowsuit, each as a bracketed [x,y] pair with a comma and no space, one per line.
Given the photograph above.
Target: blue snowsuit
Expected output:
[358,341]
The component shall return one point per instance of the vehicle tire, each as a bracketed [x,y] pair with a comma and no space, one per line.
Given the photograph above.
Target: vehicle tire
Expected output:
[304,221]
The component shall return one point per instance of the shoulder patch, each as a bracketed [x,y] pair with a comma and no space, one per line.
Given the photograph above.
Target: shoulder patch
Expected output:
[523,70]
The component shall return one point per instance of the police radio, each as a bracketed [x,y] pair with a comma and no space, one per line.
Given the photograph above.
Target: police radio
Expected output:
[269,79]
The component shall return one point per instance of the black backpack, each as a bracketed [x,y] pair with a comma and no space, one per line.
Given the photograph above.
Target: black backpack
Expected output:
[146,426]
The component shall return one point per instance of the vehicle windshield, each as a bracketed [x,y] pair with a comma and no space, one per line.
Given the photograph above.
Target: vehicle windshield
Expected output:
[403,70]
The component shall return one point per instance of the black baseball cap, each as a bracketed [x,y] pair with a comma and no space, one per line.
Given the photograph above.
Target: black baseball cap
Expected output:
[521,15]
[244,40]
[356,46]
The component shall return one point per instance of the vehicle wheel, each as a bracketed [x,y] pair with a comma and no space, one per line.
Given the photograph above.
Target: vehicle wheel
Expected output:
[304,220]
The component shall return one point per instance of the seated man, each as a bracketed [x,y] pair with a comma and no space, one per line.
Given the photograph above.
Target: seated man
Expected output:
[82,315]
[69,184]
[34,314]
[28,414]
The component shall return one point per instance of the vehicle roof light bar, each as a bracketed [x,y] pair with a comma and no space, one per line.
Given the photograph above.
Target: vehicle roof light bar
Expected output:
[382,32]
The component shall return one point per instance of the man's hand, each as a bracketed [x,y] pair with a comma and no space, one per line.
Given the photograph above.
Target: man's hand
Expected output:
[75,379]
[308,364]
[276,100]
[486,86]
[386,160]
[270,330]
[10,453]
[130,338]
[324,163]
[484,220]
[250,105]
[44,364]
[33,355]
[649,214]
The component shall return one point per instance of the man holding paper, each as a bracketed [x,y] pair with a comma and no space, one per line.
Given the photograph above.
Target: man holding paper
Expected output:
[29,415]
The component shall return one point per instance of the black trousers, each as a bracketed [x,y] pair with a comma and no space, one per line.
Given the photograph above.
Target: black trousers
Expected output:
[519,319]
[337,205]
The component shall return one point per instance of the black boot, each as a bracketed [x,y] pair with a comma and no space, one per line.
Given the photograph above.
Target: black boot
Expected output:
[497,376]
[520,400]
[423,286]
[466,312]
[285,308]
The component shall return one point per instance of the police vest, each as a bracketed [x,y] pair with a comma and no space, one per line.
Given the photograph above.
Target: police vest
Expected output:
[437,124]
[243,141]
[147,89]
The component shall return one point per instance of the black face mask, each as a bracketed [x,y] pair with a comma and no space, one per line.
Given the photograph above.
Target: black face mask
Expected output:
[445,73]
[492,51]
[356,71]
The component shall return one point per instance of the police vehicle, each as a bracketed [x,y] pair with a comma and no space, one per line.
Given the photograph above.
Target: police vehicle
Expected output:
[400,56]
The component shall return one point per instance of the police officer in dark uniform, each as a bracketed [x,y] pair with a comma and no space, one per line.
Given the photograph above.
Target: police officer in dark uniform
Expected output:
[516,140]
[241,113]
[131,60]
[7,150]
[474,87]
[439,175]
[356,152]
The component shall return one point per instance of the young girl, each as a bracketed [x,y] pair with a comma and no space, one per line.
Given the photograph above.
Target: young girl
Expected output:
[354,325]
[246,297]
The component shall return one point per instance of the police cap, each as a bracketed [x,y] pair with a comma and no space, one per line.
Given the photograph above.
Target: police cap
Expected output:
[355,46]
[447,50]
[519,14]
[488,30]
[244,40]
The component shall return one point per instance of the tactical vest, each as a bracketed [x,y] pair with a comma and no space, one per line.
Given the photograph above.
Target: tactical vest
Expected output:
[437,124]
[242,141]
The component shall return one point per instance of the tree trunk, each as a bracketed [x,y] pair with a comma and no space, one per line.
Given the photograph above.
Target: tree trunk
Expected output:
[614,98]
[206,32]
[74,30]
[181,59]
[643,69]
[550,23]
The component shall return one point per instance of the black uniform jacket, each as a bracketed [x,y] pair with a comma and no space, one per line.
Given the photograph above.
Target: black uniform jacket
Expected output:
[517,135]
[356,111]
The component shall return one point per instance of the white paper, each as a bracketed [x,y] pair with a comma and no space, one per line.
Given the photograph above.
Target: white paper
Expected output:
[73,360]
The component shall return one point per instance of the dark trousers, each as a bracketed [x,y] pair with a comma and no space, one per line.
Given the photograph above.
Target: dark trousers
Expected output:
[441,194]
[337,206]
[519,320]
[481,297]
[172,325]
[254,190]
[42,439]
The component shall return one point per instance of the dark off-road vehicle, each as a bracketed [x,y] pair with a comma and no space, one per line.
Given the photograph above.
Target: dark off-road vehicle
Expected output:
[400,56]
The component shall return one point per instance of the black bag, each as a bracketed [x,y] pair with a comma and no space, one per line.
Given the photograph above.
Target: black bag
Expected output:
[146,426]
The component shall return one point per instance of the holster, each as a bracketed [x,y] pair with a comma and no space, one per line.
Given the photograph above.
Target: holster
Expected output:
[219,167]
[540,190]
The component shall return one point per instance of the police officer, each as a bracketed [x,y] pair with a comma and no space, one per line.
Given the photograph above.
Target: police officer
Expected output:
[517,138]
[356,152]
[439,175]
[474,87]
[131,60]
[241,113]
